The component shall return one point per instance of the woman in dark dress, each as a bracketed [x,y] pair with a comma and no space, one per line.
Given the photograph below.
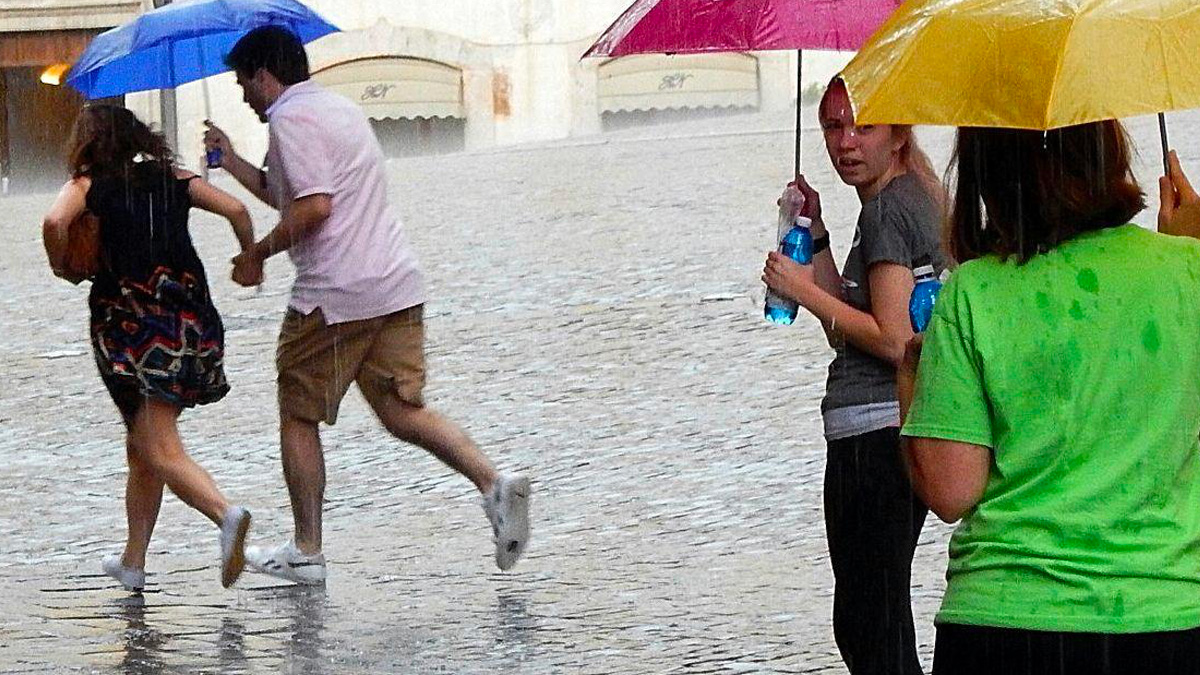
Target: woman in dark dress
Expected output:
[156,336]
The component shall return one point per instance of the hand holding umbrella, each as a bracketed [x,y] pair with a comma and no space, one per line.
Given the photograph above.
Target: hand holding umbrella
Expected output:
[1179,205]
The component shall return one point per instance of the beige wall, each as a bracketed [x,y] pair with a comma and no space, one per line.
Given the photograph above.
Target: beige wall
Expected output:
[523,80]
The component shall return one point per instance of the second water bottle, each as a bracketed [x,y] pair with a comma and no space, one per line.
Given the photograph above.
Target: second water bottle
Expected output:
[926,286]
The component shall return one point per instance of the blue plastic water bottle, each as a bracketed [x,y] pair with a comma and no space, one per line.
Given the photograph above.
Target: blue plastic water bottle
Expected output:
[924,295]
[213,158]
[797,244]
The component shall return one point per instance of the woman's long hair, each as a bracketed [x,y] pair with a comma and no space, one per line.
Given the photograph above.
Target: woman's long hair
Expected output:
[917,163]
[107,140]
[1018,193]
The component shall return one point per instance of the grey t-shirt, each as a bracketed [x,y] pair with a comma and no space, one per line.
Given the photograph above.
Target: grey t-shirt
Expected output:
[899,225]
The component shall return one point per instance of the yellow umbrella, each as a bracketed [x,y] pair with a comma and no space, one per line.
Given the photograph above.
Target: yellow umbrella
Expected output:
[1027,64]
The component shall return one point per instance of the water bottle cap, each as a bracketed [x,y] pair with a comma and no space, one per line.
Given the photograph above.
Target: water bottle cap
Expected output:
[802,221]
[923,271]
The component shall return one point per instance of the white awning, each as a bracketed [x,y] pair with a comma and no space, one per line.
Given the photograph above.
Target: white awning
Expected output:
[656,82]
[392,87]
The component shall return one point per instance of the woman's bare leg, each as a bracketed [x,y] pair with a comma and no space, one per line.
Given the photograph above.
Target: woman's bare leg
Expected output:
[143,497]
[156,440]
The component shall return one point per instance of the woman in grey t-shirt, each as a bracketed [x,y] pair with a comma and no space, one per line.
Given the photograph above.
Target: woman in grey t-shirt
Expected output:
[872,516]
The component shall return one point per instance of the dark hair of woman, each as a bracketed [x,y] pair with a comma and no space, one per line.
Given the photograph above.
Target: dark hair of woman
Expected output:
[1018,192]
[108,140]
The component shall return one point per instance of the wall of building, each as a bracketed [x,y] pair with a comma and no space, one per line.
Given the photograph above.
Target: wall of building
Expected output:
[521,76]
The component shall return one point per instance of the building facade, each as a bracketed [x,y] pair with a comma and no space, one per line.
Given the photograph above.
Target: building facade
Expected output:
[34,35]
[433,76]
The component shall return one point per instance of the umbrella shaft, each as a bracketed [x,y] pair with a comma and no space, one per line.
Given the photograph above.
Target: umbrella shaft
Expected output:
[1166,147]
[799,107]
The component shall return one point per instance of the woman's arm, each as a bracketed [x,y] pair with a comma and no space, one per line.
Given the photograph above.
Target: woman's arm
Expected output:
[827,278]
[949,476]
[69,205]
[210,198]
[882,332]
[825,269]
[1179,205]
[215,200]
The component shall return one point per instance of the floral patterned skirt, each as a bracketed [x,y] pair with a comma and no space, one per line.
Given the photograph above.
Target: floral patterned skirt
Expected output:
[160,338]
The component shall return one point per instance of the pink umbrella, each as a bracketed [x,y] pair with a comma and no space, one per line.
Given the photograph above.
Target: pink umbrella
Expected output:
[698,26]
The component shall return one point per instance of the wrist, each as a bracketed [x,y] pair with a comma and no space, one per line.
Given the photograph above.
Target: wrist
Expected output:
[804,294]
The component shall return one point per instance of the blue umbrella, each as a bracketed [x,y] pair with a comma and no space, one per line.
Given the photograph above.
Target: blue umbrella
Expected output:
[182,42]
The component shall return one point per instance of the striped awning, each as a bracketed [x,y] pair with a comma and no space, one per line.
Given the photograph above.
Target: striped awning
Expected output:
[656,82]
[400,88]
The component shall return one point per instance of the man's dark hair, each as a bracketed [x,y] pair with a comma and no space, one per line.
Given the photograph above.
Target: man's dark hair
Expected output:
[272,47]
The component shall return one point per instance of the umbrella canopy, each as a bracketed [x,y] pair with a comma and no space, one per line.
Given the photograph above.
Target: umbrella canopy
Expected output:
[701,26]
[182,42]
[1027,64]
[697,26]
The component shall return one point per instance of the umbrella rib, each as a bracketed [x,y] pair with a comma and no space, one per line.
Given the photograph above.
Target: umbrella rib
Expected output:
[887,42]
[1058,66]
[1162,46]
[628,21]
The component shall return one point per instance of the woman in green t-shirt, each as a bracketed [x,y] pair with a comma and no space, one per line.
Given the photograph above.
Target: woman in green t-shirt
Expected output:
[1056,412]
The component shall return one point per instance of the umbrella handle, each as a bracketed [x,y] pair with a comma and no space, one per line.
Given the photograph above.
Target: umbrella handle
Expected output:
[1166,148]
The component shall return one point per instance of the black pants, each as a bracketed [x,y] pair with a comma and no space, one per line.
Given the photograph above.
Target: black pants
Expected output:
[872,521]
[982,650]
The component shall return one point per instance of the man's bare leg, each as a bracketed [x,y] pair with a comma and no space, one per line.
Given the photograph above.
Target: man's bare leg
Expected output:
[299,561]
[506,499]
[304,471]
[443,439]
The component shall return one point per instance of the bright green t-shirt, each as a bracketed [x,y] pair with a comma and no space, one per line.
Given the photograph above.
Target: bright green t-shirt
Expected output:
[1081,370]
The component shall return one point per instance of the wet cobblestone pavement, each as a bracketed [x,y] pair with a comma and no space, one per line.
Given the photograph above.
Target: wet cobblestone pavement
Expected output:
[595,321]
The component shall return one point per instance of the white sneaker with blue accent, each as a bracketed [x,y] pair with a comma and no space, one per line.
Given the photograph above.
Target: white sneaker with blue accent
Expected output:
[287,562]
[507,508]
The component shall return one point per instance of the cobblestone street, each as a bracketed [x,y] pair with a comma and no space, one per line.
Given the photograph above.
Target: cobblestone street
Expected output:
[595,321]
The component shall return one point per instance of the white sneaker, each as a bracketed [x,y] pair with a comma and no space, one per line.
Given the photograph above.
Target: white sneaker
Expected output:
[234,526]
[287,562]
[133,579]
[507,508]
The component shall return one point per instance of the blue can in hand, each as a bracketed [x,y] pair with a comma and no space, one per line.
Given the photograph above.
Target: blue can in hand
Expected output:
[212,158]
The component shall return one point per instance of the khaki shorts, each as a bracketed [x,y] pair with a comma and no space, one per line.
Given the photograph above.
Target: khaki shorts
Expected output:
[317,362]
